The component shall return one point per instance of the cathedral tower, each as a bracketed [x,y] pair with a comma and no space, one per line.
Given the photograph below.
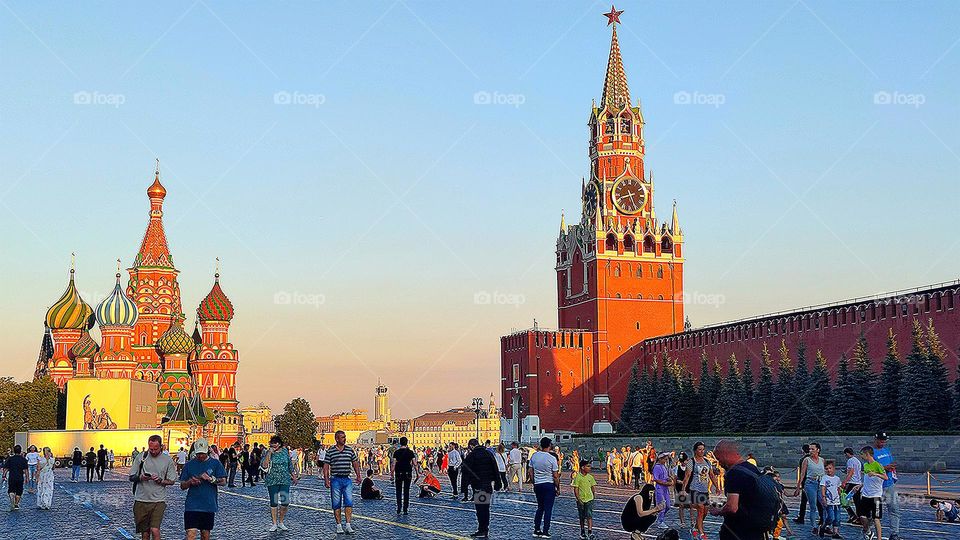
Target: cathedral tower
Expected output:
[67,319]
[154,289]
[117,317]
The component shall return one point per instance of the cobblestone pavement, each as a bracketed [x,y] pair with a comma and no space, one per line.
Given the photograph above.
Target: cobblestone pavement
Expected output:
[103,511]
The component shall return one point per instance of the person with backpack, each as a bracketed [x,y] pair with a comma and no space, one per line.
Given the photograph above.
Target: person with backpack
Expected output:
[752,509]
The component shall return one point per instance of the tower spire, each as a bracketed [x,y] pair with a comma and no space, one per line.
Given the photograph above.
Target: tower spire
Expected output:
[563,222]
[616,95]
[675,222]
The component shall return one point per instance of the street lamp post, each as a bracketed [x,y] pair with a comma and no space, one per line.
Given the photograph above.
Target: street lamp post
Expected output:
[477,409]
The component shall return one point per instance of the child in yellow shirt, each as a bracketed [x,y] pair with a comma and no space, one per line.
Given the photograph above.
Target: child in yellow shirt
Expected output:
[584,487]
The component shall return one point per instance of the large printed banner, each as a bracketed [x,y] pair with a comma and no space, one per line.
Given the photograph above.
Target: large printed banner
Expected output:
[108,404]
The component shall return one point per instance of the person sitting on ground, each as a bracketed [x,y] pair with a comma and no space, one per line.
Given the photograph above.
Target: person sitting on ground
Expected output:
[429,487]
[368,490]
[946,511]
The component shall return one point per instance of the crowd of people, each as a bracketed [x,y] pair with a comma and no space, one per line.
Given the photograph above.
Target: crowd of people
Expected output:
[724,482]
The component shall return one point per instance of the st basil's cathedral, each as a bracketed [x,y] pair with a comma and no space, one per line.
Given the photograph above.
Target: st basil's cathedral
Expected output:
[142,336]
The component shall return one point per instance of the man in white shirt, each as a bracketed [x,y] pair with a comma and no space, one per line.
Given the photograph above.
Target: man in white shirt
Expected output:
[33,457]
[545,470]
[853,478]
[181,460]
[515,467]
[454,460]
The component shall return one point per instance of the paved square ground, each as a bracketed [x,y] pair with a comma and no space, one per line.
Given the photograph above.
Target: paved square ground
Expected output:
[103,510]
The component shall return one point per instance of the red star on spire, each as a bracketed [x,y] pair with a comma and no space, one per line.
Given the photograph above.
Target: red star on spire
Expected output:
[614,16]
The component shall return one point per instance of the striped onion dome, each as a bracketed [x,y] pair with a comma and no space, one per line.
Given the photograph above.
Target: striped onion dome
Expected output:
[216,306]
[70,311]
[85,347]
[176,341]
[117,309]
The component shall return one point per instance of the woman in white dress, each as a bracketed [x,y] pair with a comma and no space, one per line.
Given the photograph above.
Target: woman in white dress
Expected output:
[45,484]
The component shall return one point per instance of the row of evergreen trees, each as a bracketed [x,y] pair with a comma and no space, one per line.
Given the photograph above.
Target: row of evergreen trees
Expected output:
[912,394]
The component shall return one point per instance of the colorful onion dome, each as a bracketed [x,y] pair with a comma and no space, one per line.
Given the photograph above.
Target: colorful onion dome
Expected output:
[117,309]
[70,311]
[176,341]
[216,306]
[85,347]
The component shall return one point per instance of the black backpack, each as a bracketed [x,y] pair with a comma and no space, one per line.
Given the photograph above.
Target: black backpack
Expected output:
[761,508]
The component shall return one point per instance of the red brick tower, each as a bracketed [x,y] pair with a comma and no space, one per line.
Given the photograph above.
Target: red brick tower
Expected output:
[620,270]
[153,287]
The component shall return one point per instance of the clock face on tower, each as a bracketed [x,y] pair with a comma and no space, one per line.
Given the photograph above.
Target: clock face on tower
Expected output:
[590,199]
[629,195]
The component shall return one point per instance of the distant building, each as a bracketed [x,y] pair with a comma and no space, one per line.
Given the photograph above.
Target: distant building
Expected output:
[455,425]
[352,423]
[381,407]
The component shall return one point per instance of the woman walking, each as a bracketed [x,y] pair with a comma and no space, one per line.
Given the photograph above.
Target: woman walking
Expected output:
[45,465]
[812,470]
[280,472]
[501,457]
[697,483]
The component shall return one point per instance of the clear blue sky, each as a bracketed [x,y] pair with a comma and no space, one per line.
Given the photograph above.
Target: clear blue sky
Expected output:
[398,198]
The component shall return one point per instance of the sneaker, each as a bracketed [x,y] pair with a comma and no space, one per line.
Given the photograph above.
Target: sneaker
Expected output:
[537,534]
[836,536]
[339,528]
[348,529]
[479,534]
[273,527]
[544,535]
[583,536]
[282,526]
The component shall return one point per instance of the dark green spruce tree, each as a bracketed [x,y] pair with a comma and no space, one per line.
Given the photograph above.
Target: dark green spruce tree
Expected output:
[747,384]
[800,398]
[861,384]
[939,378]
[628,414]
[669,398]
[689,408]
[916,385]
[763,395]
[641,421]
[780,412]
[886,393]
[843,396]
[707,394]
[818,415]
[956,401]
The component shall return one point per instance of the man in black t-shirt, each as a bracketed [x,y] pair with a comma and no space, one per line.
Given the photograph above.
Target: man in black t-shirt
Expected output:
[404,464]
[101,462]
[739,484]
[15,467]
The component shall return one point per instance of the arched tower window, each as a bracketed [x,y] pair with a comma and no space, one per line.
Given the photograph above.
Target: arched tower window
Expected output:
[611,242]
[616,271]
[648,245]
[659,272]
[628,244]
[639,271]
[666,245]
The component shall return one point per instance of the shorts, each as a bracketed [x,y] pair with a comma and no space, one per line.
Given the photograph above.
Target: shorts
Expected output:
[279,495]
[148,515]
[341,492]
[202,521]
[699,498]
[585,509]
[15,487]
[870,507]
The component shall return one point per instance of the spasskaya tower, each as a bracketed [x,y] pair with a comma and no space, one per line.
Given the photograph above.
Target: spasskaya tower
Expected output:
[619,281]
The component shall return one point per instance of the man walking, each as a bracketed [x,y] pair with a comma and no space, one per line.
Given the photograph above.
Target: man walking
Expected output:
[337,466]
[515,466]
[891,501]
[740,486]
[77,462]
[233,461]
[454,461]
[101,462]
[91,463]
[245,466]
[14,467]
[181,459]
[404,464]
[545,471]
[480,471]
[152,472]
[200,478]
